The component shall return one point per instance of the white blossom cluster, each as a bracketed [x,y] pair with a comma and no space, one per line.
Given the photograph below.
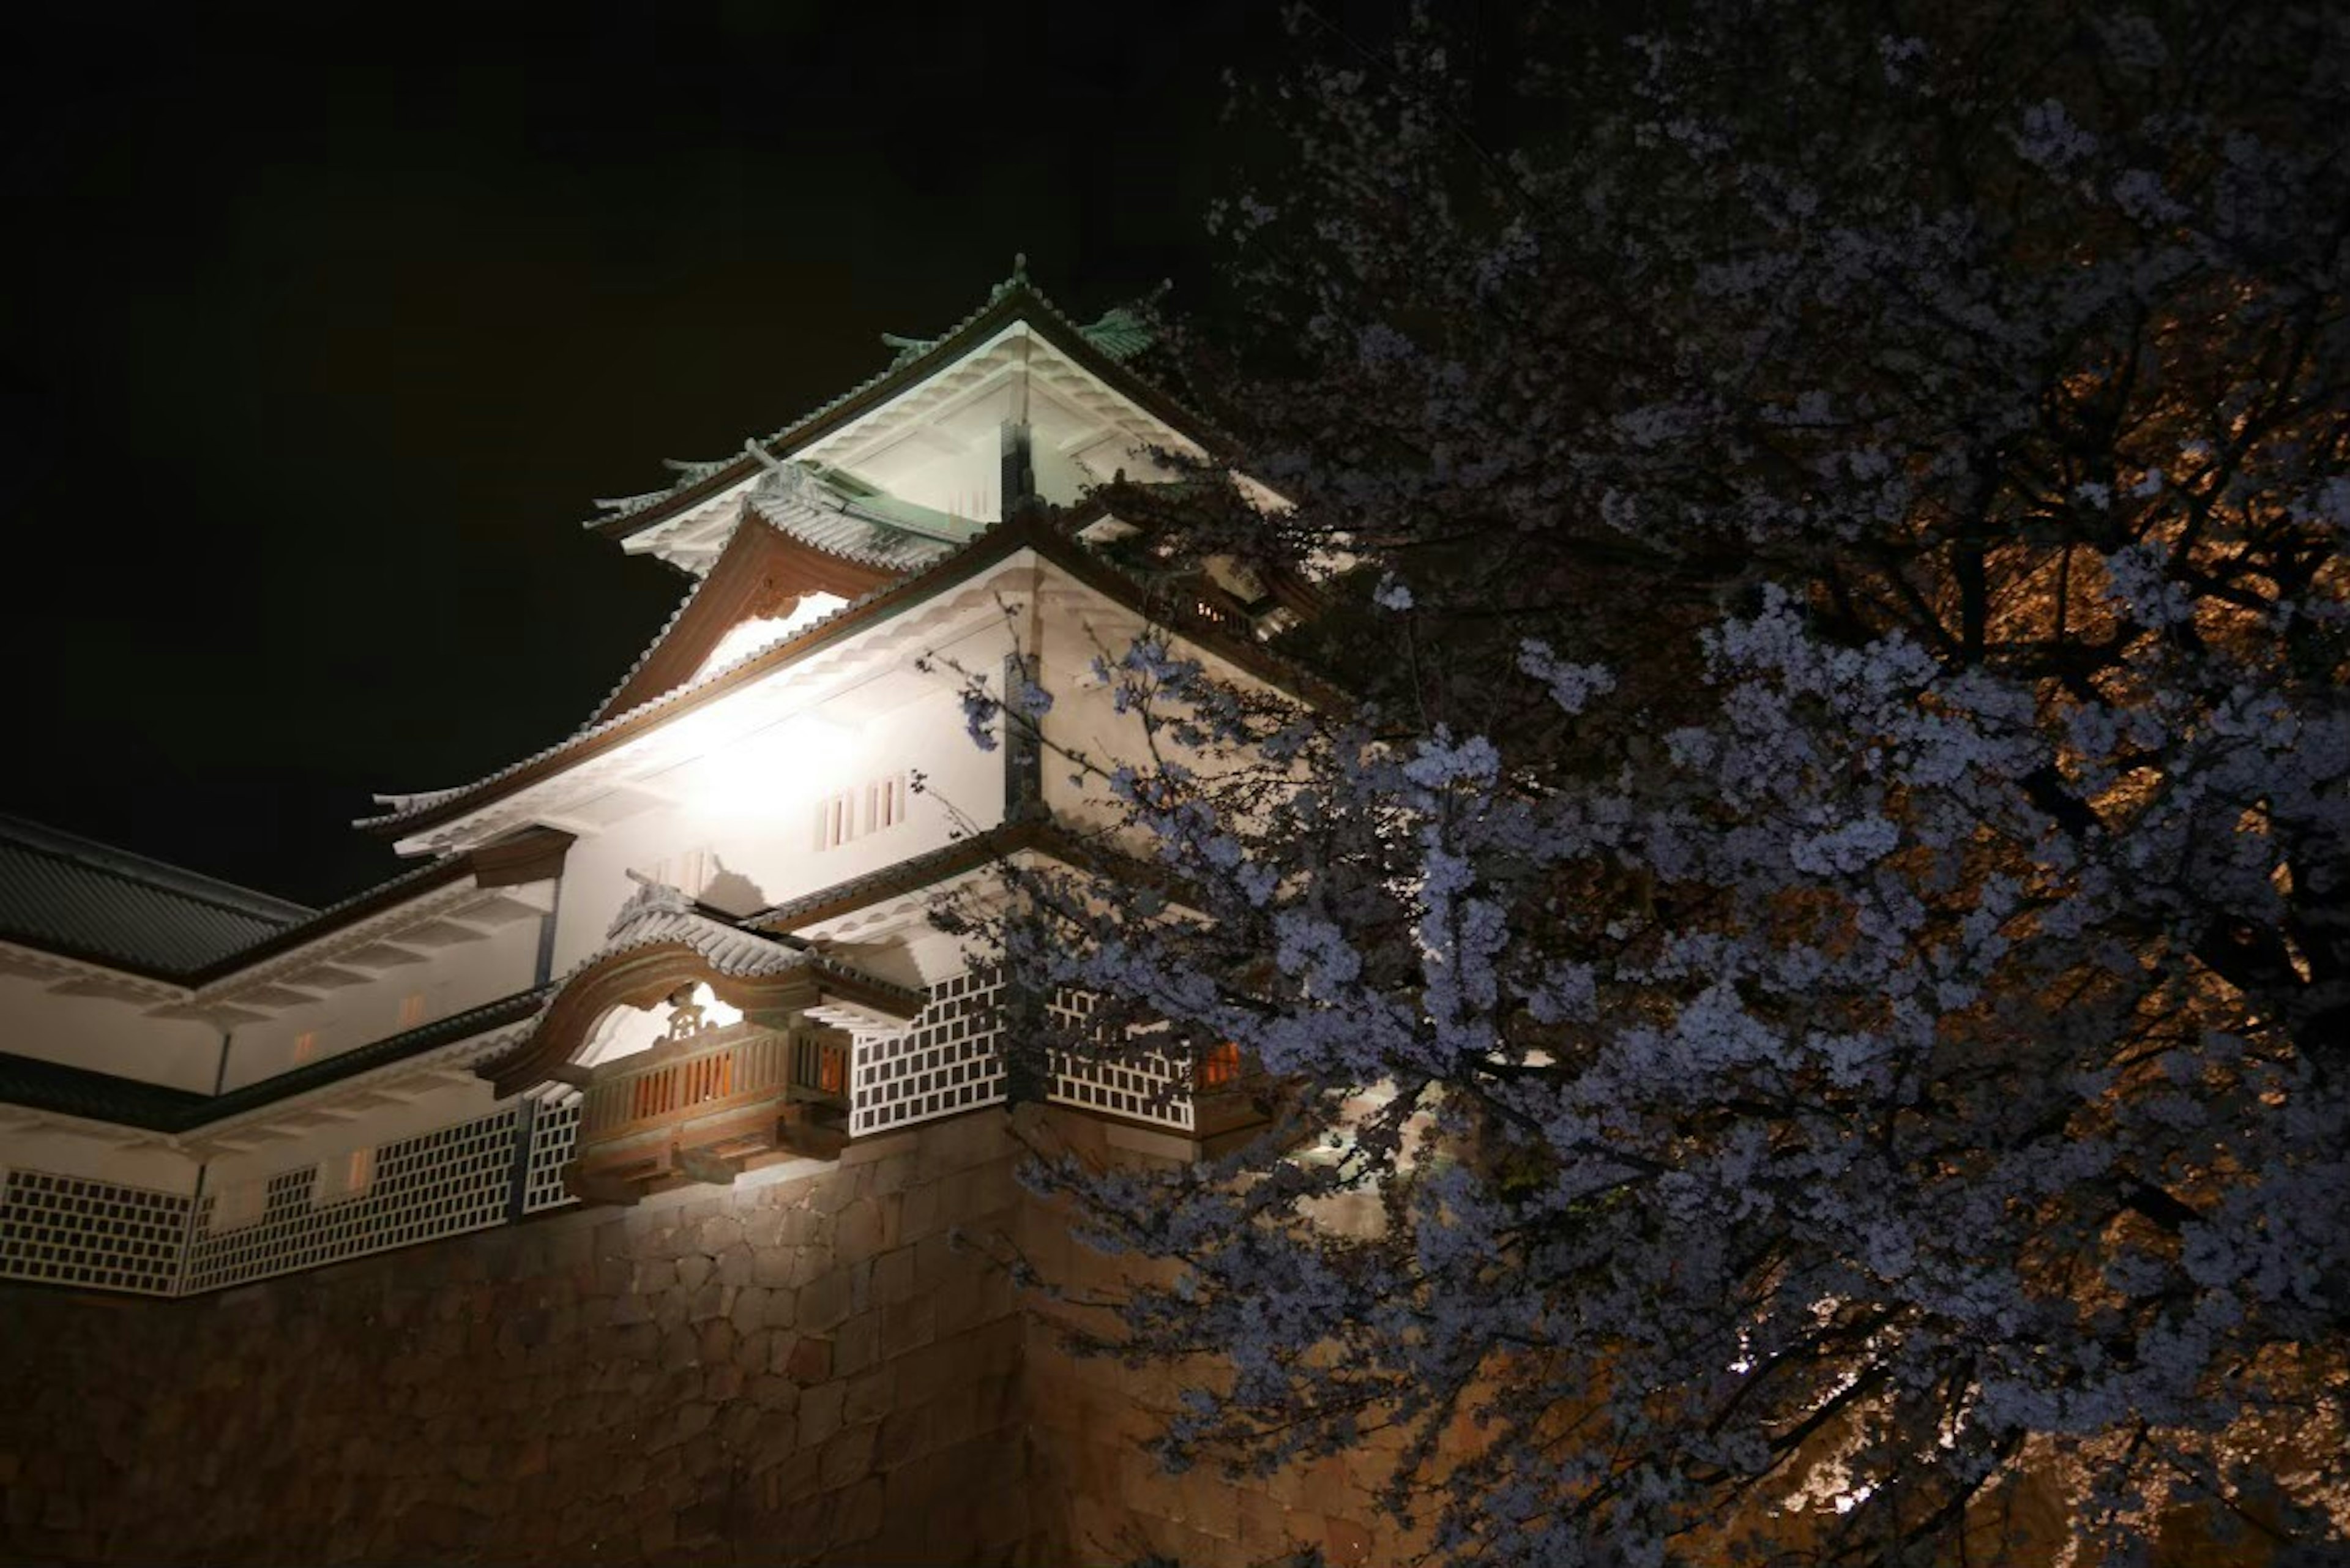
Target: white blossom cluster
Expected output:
[1836,893]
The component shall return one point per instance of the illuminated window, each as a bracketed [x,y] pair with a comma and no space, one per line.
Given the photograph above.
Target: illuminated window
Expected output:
[347,1177]
[305,1046]
[237,1204]
[1220,1065]
[411,1009]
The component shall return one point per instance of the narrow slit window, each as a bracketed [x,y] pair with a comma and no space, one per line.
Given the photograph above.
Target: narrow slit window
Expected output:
[885,802]
[836,820]
[875,805]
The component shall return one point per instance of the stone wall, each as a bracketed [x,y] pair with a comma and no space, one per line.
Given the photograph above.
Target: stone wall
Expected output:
[833,1370]
[803,1371]
[1100,1496]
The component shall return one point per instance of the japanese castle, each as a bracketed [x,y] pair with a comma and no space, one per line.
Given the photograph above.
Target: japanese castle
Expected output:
[689,941]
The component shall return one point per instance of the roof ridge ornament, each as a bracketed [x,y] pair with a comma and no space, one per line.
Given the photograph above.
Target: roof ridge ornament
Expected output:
[651,898]
[907,348]
[1124,330]
[1019,278]
[911,348]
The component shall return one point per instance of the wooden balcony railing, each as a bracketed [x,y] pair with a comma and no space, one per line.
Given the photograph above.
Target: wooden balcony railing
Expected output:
[708,1106]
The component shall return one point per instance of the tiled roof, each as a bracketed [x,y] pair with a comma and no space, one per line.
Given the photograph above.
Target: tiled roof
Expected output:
[657,914]
[1051,539]
[1108,342]
[799,503]
[66,894]
[391,891]
[1084,851]
[97,1096]
[910,874]
[130,1102]
[406,808]
[82,900]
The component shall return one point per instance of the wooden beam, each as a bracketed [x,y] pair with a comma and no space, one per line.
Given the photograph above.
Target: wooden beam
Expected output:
[588,1186]
[534,855]
[698,1164]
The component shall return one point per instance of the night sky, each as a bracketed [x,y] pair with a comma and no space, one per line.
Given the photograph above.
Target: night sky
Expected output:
[317,342]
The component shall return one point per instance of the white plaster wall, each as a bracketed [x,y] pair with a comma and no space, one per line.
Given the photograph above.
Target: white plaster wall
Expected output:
[98,1156]
[441,1106]
[755,805]
[1084,718]
[106,1036]
[1059,478]
[451,980]
[906,952]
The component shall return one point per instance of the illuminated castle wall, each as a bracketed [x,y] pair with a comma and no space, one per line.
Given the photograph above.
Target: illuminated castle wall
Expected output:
[661,1148]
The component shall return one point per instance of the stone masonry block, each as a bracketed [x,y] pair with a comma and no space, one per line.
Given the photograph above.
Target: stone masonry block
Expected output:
[848,1457]
[870,1395]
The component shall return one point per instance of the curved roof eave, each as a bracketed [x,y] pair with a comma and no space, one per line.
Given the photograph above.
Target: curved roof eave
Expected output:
[1014,300]
[1030,531]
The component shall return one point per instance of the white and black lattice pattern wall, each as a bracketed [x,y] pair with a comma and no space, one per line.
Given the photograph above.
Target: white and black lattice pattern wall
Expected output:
[1120,1077]
[439,1183]
[949,1059]
[554,1131]
[71,1230]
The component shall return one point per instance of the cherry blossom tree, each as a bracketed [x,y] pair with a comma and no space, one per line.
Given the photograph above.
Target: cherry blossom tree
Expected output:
[1822,927]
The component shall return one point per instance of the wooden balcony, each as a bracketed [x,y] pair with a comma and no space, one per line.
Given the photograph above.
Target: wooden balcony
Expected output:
[1232,1099]
[708,1106]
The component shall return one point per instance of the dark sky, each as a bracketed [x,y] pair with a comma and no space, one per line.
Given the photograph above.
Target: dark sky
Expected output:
[318,339]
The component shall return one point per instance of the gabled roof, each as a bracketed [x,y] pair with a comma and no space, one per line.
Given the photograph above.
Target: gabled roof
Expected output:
[70,894]
[92,903]
[659,940]
[763,571]
[870,530]
[658,915]
[1101,347]
[1038,529]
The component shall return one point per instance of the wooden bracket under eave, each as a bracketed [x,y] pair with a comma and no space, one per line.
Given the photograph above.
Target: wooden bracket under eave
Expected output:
[534,855]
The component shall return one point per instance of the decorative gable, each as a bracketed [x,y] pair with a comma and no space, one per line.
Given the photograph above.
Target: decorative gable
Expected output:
[763,576]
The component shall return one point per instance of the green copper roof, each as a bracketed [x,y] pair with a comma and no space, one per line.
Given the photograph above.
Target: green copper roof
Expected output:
[1119,335]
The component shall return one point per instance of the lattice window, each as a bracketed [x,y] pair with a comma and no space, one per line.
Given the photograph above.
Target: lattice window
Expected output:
[835,819]
[850,814]
[949,1059]
[70,1231]
[436,1184]
[554,1130]
[885,803]
[1125,1078]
